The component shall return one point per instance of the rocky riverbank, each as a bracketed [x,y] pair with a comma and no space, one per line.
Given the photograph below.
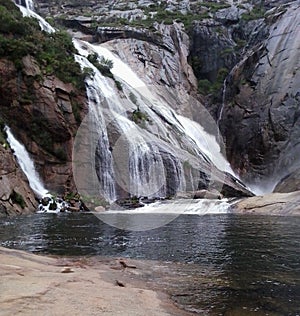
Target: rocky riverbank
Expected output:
[34,284]
[281,204]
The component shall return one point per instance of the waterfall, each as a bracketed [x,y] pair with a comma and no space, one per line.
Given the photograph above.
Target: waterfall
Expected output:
[114,153]
[26,164]
[143,159]
[182,206]
[96,124]
[28,10]
[223,104]
[206,144]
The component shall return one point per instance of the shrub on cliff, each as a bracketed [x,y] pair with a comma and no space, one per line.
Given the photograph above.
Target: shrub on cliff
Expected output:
[21,36]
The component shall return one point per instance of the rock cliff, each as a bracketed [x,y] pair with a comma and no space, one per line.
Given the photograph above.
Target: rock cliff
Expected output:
[260,119]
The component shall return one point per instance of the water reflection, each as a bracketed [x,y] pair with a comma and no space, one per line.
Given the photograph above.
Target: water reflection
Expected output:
[263,265]
[211,265]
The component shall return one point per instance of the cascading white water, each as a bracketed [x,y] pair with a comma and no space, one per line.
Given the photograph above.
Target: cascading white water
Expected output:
[187,207]
[144,155]
[223,103]
[144,174]
[206,143]
[135,172]
[105,170]
[26,164]
[29,11]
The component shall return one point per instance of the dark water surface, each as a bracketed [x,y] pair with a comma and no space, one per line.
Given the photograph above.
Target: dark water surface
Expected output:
[212,265]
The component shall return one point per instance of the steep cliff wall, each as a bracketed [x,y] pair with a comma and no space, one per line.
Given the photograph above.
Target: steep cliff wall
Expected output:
[261,116]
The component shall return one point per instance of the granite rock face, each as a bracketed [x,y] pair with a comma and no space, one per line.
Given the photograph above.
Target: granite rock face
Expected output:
[261,116]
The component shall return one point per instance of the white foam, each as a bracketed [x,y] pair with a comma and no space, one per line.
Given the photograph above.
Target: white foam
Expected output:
[180,206]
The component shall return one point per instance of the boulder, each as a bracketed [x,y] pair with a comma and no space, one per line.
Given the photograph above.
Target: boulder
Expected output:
[206,194]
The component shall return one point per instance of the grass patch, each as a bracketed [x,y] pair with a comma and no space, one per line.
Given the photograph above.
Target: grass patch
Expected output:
[255,14]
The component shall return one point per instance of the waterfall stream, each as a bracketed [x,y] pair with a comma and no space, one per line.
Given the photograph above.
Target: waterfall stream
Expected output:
[26,164]
[223,103]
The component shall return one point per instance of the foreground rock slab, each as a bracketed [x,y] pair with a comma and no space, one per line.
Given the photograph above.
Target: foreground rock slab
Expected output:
[270,204]
[32,285]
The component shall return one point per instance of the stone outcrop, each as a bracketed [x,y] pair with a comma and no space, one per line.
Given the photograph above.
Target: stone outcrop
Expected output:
[163,66]
[16,196]
[254,42]
[256,107]
[270,204]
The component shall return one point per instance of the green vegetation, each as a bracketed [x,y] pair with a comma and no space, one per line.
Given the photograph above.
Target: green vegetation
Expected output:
[256,13]
[42,135]
[102,64]
[227,51]
[71,196]
[133,98]
[76,111]
[3,135]
[118,85]
[139,117]
[206,87]
[159,13]
[21,36]
[17,198]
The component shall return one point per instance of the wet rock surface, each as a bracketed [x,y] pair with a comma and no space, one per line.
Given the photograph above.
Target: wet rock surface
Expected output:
[248,55]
